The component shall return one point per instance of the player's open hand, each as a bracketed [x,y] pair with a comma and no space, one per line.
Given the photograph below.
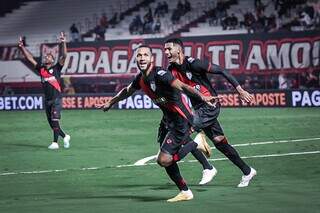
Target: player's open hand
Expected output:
[20,43]
[245,96]
[62,37]
[105,107]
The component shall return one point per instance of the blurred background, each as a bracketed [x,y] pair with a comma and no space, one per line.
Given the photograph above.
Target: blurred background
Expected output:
[269,45]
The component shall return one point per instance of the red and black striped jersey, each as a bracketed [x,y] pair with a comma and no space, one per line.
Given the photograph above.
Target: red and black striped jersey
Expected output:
[51,80]
[157,85]
[194,73]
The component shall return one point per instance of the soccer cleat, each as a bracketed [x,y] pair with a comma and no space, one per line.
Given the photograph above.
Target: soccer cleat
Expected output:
[245,180]
[203,146]
[66,141]
[53,146]
[208,175]
[182,196]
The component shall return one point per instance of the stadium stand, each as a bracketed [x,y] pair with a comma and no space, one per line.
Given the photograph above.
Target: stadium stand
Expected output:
[40,21]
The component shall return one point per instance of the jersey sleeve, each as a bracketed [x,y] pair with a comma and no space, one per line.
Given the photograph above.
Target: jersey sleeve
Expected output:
[199,66]
[38,67]
[215,69]
[165,77]
[58,67]
[135,83]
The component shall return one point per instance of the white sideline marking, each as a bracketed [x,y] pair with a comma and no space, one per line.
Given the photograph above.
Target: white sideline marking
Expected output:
[132,165]
[146,159]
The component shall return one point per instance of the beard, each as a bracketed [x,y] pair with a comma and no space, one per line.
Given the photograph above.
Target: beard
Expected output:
[144,70]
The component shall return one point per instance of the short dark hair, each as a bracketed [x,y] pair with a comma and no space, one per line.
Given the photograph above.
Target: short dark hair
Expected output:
[144,46]
[175,41]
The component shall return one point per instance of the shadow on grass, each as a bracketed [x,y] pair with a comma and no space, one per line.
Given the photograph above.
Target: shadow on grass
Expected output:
[140,198]
[27,145]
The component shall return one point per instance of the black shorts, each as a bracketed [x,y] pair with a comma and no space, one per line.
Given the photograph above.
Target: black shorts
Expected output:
[173,133]
[206,119]
[53,109]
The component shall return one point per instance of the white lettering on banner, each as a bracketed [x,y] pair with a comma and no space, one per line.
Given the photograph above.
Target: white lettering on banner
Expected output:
[187,51]
[137,102]
[255,58]
[147,102]
[262,55]
[103,63]
[86,62]
[71,63]
[132,63]
[303,50]
[215,51]
[278,58]
[158,56]
[199,52]
[21,103]
[305,98]
[231,56]
[119,64]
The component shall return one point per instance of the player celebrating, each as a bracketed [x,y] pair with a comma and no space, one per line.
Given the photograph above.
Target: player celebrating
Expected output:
[165,91]
[50,74]
[194,73]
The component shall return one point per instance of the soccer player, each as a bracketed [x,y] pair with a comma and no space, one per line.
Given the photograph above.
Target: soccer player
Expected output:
[209,171]
[165,91]
[50,74]
[194,73]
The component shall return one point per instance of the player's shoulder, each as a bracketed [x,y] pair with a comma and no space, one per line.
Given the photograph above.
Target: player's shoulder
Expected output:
[161,71]
[195,63]
[57,66]
[190,60]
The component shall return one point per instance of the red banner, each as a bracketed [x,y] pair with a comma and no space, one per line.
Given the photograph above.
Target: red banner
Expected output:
[246,53]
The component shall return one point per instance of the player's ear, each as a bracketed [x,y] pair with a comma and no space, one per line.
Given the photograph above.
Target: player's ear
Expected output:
[152,58]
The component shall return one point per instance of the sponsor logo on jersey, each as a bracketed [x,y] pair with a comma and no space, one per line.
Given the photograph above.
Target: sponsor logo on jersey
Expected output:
[161,100]
[189,75]
[190,59]
[51,78]
[168,141]
[161,72]
[153,86]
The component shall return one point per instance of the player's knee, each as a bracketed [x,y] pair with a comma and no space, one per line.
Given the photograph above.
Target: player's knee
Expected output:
[164,160]
[220,139]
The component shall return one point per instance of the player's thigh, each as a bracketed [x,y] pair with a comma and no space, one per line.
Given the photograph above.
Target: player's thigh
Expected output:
[162,132]
[48,109]
[213,131]
[56,109]
[205,116]
[170,144]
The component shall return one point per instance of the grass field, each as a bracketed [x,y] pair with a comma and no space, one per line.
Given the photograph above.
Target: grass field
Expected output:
[88,179]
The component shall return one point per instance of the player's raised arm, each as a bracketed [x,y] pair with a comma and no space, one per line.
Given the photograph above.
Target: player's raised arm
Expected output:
[211,100]
[63,48]
[123,94]
[244,95]
[26,53]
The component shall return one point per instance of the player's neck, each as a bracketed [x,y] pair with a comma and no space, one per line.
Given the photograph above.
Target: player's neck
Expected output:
[147,72]
[48,65]
[180,59]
